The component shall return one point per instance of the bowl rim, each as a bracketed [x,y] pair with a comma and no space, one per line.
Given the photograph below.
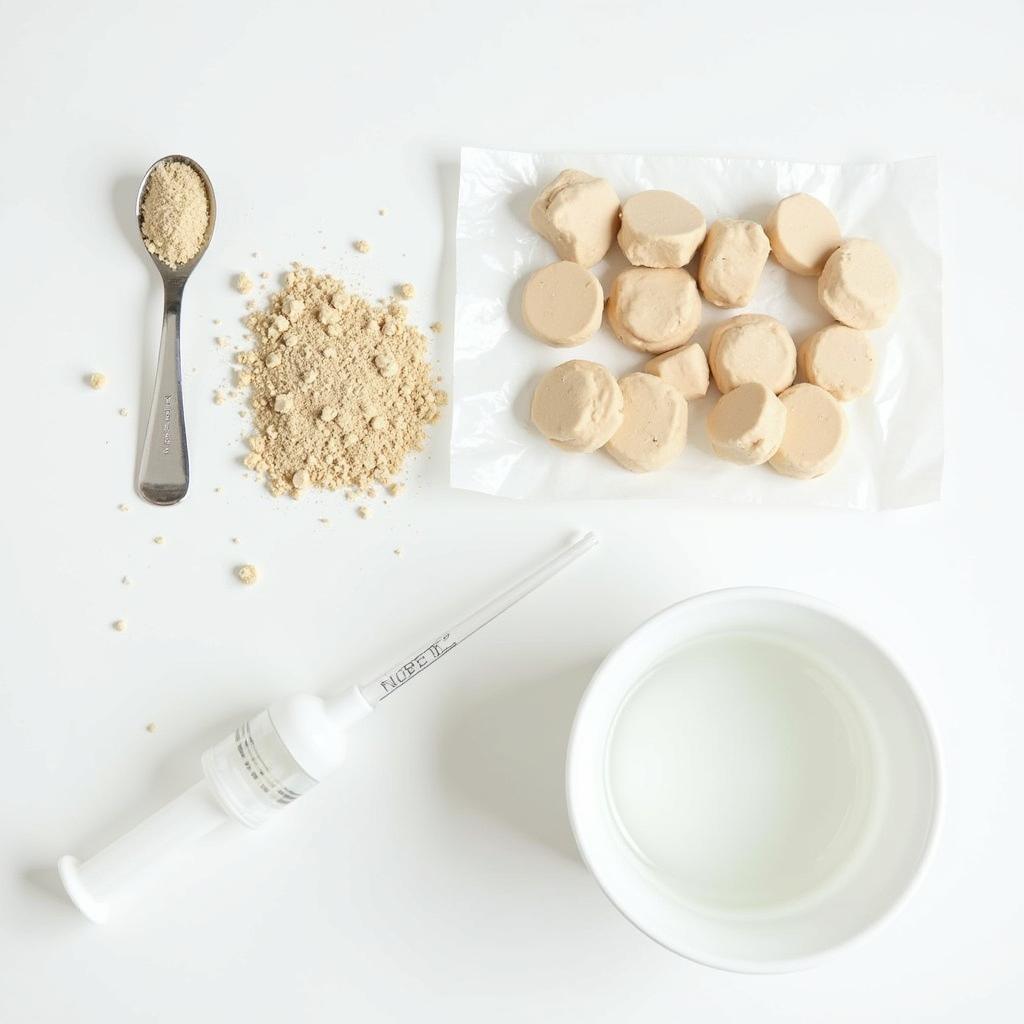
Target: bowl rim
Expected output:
[781,595]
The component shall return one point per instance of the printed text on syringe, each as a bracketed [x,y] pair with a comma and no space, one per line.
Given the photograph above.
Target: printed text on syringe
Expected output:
[400,676]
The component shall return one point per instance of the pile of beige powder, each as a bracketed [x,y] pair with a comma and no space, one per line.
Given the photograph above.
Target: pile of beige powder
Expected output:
[175,213]
[341,389]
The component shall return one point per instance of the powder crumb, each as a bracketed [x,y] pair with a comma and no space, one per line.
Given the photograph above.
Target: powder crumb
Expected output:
[120,625]
[363,512]
[397,552]
[396,489]
[264,274]
[407,290]
[158,540]
[126,581]
[335,415]
[248,574]
[151,727]
[175,213]
[326,522]
[235,540]
[243,282]
[437,327]
[122,507]
[362,245]
[255,255]
[222,341]
[122,412]
[97,381]
[382,212]
[219,398]
[218,490]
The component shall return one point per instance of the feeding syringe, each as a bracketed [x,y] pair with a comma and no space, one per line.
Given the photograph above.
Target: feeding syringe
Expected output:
[272,759]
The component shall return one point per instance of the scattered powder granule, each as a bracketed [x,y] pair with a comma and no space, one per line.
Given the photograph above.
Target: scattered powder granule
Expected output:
[235,540]
[363,512]
[397,552]
[382,212]
[122,507]
[248,574]
[362,245]
[158,540]
[151,727]
[219,398]
[437,327]
[340,388]
[326,522]
[244,283]
[97,381]
[126,580]
[175,213]
[407,291]
[222,341]
[122,412]
[120,625]
[396,489]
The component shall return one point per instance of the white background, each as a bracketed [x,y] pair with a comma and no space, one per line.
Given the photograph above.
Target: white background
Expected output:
[435,878]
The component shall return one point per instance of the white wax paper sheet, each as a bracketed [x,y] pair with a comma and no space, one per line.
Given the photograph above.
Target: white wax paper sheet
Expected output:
[893,455]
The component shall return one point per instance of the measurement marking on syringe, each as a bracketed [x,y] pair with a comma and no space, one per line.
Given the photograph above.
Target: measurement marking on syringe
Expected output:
[415,665]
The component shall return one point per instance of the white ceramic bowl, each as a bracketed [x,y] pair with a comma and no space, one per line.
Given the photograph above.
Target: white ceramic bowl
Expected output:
[752,780]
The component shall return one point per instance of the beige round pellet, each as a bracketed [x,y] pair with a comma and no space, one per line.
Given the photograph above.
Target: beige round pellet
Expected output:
[839,359]
[815,432]
[654,310]
[752,347]
[803,233]
[686,369]
[660,229]
[563,304]
[731,261]
[578,214]
[577,406]
[746,425]
[653,430]
[859,285]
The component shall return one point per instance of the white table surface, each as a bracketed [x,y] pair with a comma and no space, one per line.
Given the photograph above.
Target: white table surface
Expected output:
[436,878]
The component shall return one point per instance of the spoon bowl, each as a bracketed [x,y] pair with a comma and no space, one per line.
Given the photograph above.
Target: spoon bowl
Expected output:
[163,472]
[180,272]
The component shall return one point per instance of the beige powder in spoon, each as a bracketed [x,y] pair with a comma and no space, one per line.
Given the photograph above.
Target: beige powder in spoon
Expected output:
[175,213]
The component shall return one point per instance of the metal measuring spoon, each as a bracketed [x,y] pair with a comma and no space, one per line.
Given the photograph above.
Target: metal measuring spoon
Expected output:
[163,467]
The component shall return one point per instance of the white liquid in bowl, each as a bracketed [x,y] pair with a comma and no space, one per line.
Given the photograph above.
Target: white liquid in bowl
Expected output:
[742,773]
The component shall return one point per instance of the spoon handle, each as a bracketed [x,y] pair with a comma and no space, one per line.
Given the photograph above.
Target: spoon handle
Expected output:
[163,467]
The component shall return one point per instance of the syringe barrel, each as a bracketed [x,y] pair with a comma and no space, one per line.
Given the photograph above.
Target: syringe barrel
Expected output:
[93,883]
[252,774]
